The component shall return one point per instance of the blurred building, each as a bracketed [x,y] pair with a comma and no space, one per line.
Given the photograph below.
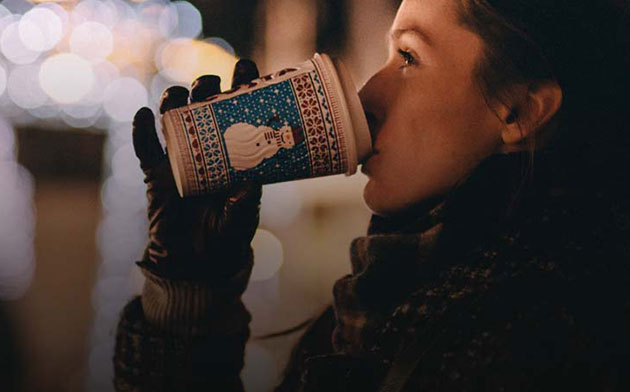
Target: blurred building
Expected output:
[72,208]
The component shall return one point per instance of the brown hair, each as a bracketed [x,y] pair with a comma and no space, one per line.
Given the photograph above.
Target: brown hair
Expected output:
[580,44]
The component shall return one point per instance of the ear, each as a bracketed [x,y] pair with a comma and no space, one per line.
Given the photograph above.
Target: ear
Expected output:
[532,109]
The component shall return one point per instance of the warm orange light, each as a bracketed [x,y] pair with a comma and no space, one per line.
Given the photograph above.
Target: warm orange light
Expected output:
[184,60]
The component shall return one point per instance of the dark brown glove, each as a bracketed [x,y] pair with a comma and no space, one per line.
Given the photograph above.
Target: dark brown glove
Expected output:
[197,238]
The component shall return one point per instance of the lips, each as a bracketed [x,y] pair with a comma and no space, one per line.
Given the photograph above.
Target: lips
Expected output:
[364,160]
[364,164]
[373,127]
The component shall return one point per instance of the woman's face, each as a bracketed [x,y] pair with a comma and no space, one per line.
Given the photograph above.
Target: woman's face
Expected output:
[430,123]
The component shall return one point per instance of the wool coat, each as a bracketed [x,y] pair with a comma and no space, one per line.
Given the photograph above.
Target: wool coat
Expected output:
[506,284]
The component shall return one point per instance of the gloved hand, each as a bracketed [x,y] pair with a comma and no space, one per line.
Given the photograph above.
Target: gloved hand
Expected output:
[197,238]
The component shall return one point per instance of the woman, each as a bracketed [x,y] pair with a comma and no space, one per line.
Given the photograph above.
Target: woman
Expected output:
[496,258]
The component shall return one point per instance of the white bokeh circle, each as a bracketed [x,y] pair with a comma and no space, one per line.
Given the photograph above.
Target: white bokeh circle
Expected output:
[13,48]
[101,11]
[66,77]
[24,88]
[92,41]
[40,29]
[123,97]
[189,21]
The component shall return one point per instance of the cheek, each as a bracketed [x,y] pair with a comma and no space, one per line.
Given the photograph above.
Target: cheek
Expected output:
[426,149]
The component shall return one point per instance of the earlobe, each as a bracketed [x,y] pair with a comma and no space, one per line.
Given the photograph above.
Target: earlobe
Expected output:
[536,108]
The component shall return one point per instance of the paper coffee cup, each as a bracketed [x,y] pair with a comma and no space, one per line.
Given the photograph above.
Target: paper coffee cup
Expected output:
[301,122]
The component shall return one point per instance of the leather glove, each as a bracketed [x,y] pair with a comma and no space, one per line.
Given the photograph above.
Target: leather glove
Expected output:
[196,238]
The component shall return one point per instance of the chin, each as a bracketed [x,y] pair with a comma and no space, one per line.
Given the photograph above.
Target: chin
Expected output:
[378,201]
[392,202]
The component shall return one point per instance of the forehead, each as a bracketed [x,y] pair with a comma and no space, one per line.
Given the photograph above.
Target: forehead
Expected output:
[439,17]
[440,21]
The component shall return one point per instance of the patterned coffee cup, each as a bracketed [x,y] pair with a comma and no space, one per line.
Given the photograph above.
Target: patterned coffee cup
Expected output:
[301,122]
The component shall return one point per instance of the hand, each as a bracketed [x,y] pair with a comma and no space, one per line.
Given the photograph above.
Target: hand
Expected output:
[200,237]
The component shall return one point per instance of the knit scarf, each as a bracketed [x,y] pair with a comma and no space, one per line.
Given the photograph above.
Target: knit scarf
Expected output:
[399,253]
[439,266]
[386,266]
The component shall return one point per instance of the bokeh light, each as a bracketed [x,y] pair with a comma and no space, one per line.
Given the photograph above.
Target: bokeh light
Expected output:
[92,64]
[125,167]
[168,20]
[13,47]
[23,87]
[7,142]
[104,73]
[4,11]
[17,6]
[7,18]
[3,79]
[80,111]
[133,43]
[46,111]
[17,220]
[223,44]
[79,122]
[92,40]
[66,77]
[282,204]
[123,97]
[40,29]
[150,12]
[11,111]
[119,135]
[268,254]
[92,50]
[189,23]
[16,232]
[105,12]
[118,195]
[61,13]
[183,60]
[159,83]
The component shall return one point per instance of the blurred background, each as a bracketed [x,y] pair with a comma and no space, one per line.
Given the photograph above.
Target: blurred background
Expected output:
[72,206]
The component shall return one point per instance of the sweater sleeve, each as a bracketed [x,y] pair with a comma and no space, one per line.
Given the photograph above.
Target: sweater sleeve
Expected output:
[183,335]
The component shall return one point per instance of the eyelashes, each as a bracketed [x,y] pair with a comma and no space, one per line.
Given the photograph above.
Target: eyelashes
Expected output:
[407,58]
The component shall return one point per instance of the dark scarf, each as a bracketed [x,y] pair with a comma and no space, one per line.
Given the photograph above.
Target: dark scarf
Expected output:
[401,252]
[483,276]
[493,227]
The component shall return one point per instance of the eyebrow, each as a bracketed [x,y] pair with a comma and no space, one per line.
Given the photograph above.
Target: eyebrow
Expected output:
[395,34]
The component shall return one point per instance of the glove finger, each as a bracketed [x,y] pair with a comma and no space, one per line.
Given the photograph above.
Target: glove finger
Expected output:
[248,192]
[204,87]
[172,98]
[244,72]
[242,207]
[145,140]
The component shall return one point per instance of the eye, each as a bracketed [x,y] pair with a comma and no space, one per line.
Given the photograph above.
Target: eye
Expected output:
[407,58]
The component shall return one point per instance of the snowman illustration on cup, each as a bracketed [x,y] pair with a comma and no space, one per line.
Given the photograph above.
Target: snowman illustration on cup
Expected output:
[248,145]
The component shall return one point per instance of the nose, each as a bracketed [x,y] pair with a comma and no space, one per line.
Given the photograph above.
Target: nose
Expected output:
[373,97]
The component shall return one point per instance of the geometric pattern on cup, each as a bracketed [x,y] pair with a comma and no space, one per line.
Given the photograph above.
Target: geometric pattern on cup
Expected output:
[323,151]
[332,108]
[206,149]
[320,146]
